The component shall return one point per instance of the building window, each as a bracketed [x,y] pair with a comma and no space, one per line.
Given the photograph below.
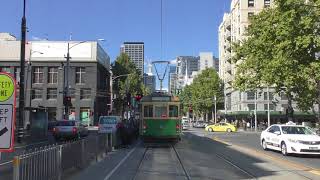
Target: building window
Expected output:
[72,93]
[52,113]
[80,72]
[271,107]
[250,95]
[37,94]
[37,74]
[250,3]
[251,107]
[85,93]
[52,93]
[6,69]
[265,95]
[53,75]
[266,3]
[250,14]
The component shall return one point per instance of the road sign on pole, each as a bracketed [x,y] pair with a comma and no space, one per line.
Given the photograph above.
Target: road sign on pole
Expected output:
[7,111]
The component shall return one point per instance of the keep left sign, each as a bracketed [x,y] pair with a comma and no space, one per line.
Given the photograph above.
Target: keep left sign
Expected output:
[7,111]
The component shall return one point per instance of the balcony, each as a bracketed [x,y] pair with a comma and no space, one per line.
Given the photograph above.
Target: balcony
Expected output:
[228,35]
[228,25]
[228,68]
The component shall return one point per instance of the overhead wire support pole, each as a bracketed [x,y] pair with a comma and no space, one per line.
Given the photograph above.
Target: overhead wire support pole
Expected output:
[66,88]
[22,61]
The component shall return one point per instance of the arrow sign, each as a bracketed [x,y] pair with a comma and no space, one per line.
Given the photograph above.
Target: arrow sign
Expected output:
[7,112]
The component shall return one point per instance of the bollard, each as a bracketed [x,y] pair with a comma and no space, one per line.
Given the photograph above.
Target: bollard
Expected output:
[16,168]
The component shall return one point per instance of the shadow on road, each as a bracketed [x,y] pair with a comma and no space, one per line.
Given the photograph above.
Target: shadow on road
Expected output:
[207,148]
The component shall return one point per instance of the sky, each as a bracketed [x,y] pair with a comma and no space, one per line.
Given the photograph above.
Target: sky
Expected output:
[189,26]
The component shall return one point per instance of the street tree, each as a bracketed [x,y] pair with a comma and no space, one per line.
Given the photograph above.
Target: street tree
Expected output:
[200,94]
[129,83]
[280,51]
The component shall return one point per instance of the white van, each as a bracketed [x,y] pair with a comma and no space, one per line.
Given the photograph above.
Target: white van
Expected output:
[108,124]
[185,123]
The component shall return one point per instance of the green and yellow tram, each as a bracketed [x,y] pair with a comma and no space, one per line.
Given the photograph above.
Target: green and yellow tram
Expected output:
[160,117]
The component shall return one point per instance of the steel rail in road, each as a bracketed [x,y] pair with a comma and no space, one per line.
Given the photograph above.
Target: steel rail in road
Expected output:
[148,147]
[180,161]
[241,169]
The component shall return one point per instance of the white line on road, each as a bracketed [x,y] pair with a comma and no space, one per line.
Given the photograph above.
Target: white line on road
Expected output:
[8,162]
[120,163]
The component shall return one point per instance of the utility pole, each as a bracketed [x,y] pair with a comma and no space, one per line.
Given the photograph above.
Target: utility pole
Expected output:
[66,88]
[215,109]
[255,111]
[22,61]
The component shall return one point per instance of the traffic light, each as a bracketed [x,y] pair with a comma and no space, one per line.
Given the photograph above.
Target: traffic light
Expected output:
[67,101]
[138,97]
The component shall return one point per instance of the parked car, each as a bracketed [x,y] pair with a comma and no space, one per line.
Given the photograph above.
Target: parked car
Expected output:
[290,138]
[67,129]
[185,123]
[199,124]
[108,124]
[221,127]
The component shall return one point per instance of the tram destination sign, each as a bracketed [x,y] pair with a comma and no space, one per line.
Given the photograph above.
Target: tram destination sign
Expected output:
[7,111]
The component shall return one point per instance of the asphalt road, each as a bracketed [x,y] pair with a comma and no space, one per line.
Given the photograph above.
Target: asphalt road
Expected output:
[196,156]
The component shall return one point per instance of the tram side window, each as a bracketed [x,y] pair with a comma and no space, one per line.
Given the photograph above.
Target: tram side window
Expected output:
[173,111]
[148,111]
[160,111]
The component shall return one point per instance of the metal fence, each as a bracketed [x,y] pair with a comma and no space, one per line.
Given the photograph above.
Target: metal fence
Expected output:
[50,162]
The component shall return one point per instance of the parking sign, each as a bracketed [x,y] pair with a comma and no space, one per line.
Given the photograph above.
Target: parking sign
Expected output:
[7,111]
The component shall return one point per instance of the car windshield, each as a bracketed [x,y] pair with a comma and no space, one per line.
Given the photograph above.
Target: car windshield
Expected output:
[65,123]
[108,120]
[296,130]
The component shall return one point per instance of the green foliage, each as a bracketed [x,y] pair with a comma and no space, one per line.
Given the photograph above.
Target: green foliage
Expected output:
[200,93]
[280,50]
[130,80]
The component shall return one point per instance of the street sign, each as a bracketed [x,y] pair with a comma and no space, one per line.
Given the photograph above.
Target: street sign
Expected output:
[7,111]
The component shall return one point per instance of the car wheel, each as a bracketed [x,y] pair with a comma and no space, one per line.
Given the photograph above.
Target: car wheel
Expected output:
[264,145]
[210,130]
[229,130]
[284,149]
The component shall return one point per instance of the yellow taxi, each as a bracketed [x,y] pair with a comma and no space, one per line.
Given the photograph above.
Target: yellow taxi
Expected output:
[221,127]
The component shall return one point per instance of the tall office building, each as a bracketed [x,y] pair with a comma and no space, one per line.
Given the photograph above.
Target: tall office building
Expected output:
[149,79]
[186,68]
[207,60]
[135,50]
[172,79]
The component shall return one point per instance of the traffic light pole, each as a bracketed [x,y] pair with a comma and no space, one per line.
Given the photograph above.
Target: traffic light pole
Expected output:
[66,88]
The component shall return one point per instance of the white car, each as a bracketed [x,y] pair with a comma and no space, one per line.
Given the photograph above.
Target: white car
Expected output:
[290,138]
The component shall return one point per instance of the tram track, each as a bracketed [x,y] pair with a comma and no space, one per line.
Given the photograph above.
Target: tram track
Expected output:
[172,150]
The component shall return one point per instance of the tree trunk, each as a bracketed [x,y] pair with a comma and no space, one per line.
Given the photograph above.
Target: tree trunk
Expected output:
[290,108]
[318,101]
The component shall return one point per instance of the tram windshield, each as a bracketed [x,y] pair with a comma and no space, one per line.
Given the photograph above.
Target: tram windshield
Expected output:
[160,111]
[173,111]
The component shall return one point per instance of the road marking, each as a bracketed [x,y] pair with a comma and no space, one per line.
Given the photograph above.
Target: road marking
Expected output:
[120,163]
[221,141]
[260,154]
[8,162]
